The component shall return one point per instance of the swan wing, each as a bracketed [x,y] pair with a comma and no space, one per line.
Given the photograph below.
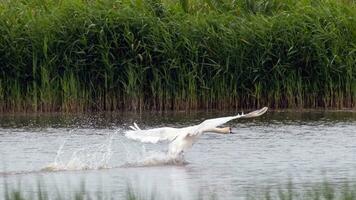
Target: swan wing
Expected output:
[255,113]
[156,135]
[153,135]
[213,123]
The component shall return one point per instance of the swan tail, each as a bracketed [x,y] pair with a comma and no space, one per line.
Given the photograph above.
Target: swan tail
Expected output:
[135,127]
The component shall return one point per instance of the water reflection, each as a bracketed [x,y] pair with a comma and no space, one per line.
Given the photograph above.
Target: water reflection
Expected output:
[164,182]
[123,119]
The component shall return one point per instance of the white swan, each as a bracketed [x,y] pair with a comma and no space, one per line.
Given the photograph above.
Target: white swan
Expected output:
[182,139]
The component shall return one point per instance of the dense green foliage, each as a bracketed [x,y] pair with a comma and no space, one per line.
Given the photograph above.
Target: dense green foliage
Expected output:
[79,55]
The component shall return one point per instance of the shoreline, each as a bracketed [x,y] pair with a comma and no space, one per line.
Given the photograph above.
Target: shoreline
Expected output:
[178,112]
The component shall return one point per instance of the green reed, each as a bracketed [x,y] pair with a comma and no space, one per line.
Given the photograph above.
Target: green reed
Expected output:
[76,55]
[287,191]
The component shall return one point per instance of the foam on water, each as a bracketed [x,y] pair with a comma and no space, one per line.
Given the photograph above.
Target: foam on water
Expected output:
[156,158]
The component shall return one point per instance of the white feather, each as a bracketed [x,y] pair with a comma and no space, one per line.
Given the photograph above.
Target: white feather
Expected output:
[183,138]
[137,128]
[153,135]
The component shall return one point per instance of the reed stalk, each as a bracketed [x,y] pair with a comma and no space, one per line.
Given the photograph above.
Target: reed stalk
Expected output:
[76,56]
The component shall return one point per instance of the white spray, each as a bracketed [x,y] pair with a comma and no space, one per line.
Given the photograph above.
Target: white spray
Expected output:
[92,157]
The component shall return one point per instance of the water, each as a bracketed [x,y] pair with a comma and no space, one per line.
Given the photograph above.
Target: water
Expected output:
[65,152]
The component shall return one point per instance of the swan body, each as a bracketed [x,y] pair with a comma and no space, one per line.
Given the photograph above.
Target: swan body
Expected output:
[181,139]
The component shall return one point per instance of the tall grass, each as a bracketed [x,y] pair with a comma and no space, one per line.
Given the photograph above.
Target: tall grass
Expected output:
[81,55]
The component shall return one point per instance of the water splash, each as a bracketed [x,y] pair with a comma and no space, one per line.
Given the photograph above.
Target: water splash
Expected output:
[97,156]
[139,155]
[161,158]
[91,157]
[155,158]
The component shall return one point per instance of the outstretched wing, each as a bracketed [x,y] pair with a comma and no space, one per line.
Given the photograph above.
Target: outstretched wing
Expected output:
[152,135]
[169,134]
[213,123]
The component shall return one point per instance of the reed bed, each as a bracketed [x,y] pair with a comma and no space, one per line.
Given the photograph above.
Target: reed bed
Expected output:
[87,55]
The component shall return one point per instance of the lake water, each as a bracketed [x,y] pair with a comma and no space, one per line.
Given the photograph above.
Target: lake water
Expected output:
[67,152]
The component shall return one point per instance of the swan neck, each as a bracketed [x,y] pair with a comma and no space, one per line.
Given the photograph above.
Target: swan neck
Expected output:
[224,130]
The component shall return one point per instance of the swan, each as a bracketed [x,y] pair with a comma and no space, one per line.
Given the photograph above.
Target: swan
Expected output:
[181,139]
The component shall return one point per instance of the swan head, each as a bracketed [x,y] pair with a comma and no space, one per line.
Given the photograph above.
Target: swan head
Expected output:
[230,130]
